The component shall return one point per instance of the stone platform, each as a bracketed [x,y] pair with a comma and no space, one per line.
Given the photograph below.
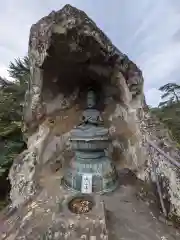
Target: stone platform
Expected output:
[87,226]
[49,217]
[123,216]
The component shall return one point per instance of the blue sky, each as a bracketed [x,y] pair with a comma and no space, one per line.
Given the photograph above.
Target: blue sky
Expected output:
[148,31]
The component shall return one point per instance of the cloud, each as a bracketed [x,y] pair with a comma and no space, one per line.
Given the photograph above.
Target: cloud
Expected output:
[154,97]
[3,71]
[147,30]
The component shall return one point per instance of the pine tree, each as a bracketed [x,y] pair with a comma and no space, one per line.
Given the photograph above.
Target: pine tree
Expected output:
[169,111]
[20,69]
[11,104]
[172,92]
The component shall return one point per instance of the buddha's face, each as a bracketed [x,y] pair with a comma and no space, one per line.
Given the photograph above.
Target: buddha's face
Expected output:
[91,99]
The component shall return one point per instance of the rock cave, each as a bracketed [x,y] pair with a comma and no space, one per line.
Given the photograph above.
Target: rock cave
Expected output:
[68,54]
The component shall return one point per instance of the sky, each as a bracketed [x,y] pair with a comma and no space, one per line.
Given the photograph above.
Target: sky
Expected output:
[148,31]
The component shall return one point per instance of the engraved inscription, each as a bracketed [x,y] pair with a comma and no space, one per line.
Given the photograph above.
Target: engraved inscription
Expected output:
[86,185]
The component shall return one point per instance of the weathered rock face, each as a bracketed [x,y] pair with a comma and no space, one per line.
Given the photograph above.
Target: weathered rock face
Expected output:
[168,173]
[68,53]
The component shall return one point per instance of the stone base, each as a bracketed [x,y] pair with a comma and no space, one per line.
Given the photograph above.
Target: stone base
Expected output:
[91,176]
[125,216]
[87,226]
[100,192]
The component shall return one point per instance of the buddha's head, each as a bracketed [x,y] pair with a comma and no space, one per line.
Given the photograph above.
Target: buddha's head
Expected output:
[91,99]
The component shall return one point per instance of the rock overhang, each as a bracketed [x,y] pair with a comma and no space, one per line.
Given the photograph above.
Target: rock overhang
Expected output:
[67,50]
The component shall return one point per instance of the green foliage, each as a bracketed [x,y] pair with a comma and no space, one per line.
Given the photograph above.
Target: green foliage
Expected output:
[19,70]
[10,150]
[170,116]
[170,91]
[169,111]
[11,106]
